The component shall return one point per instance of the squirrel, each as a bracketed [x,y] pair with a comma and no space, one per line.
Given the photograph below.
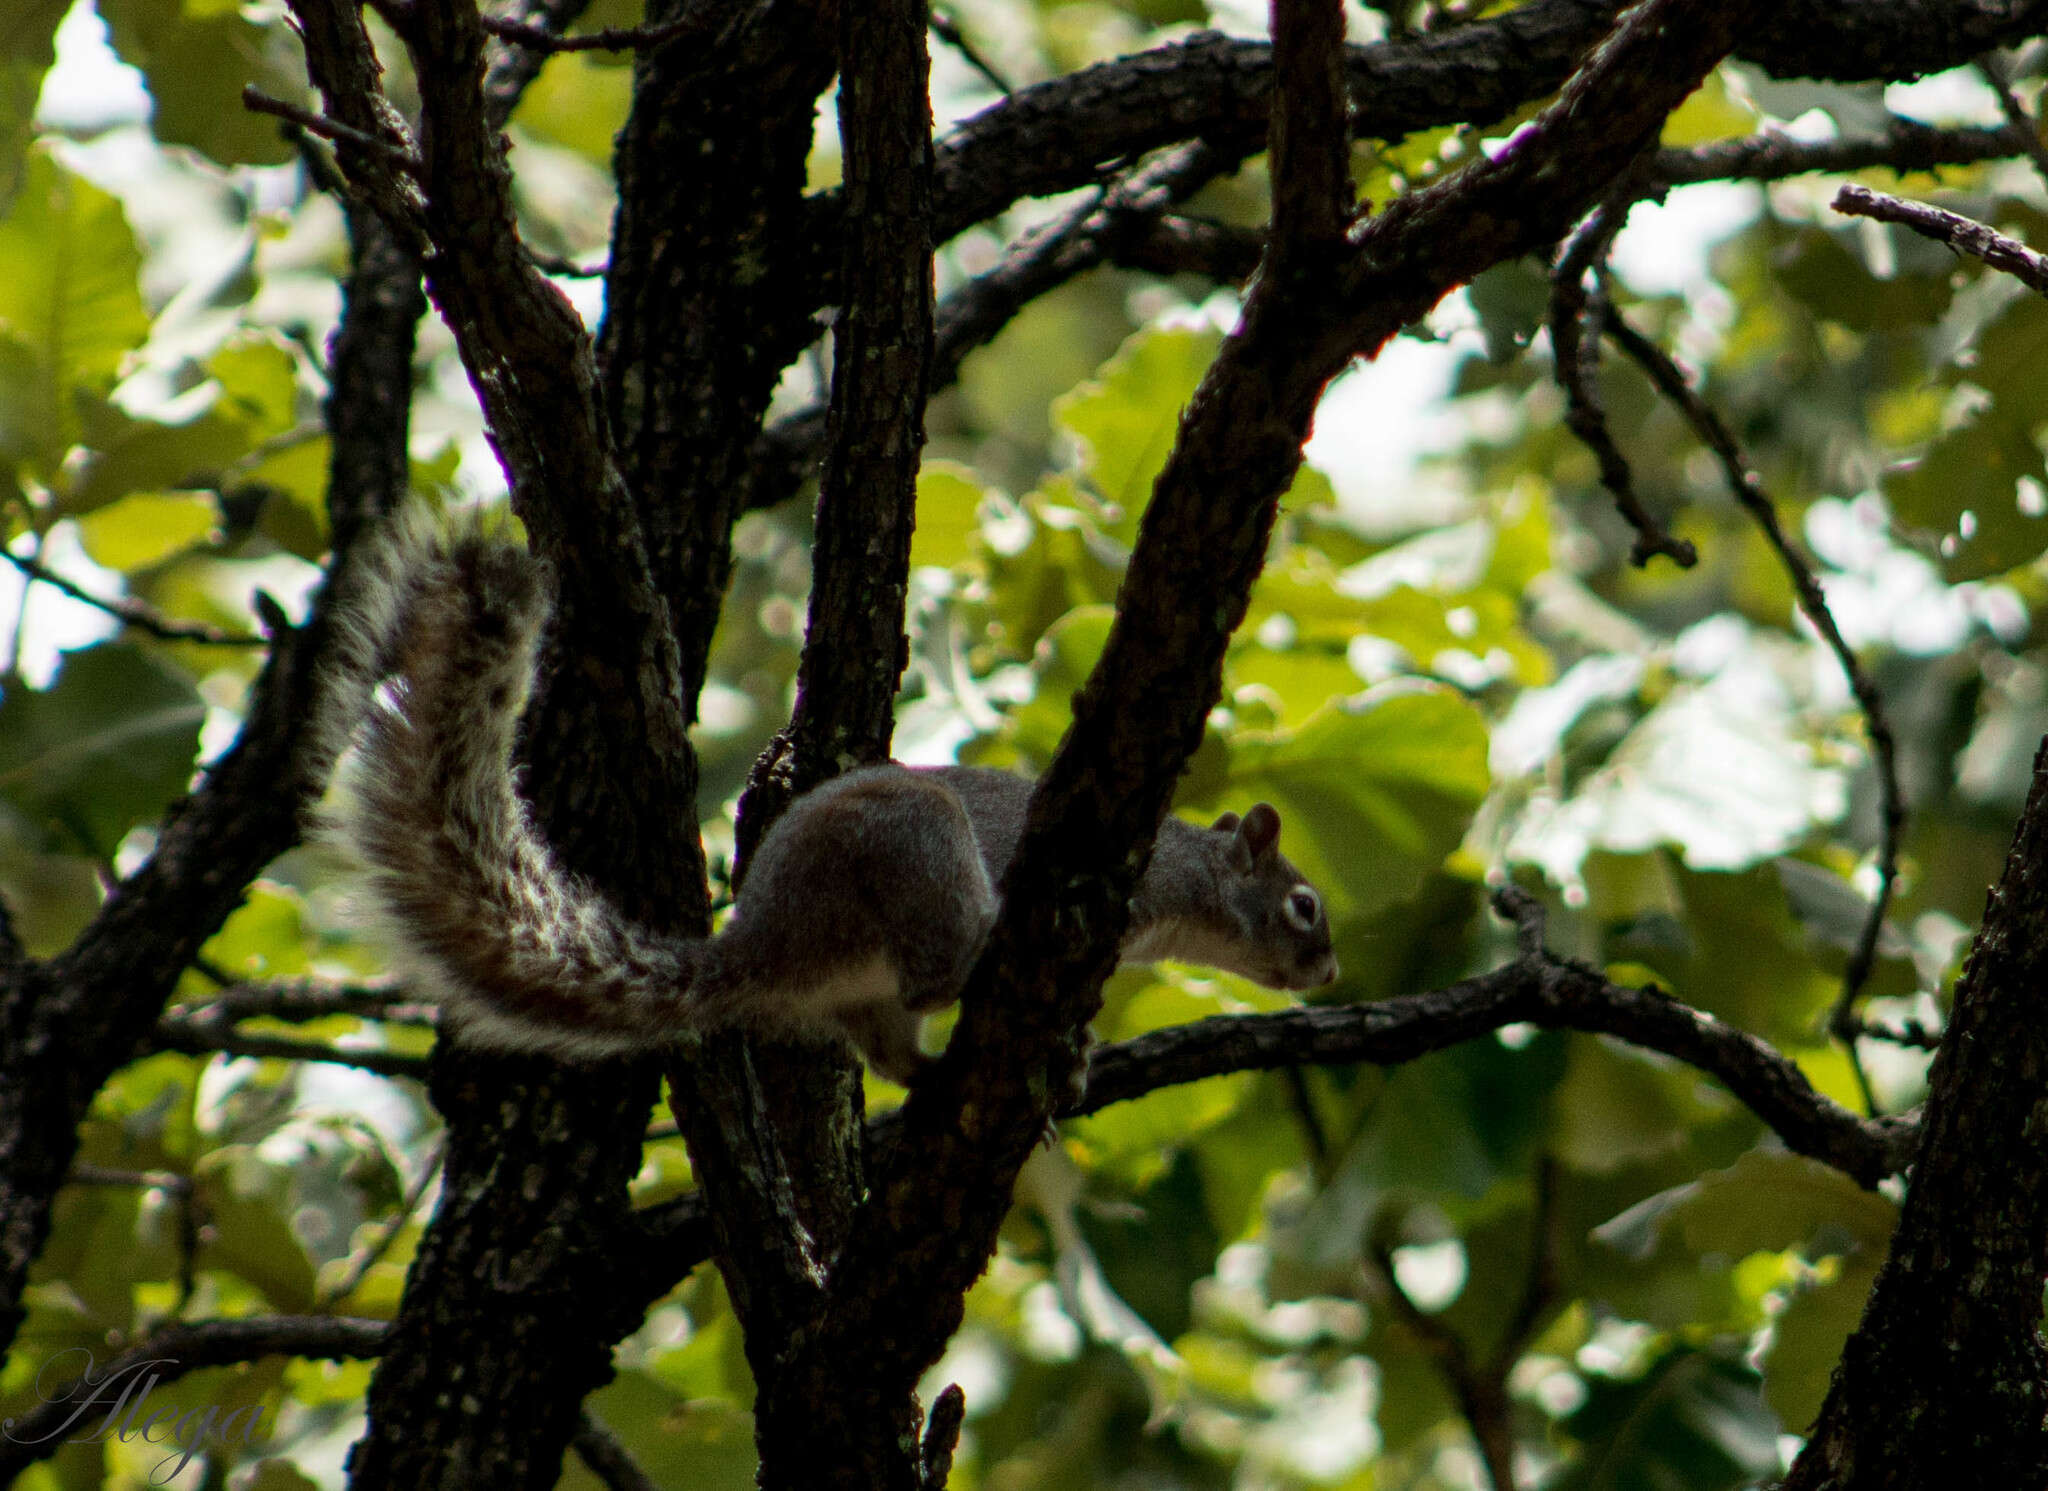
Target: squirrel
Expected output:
[865,907]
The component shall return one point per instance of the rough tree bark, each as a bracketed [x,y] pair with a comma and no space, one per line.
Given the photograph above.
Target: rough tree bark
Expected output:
[1948,1369]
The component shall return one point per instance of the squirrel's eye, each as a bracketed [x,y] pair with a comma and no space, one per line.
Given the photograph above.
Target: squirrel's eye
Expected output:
[1302,907]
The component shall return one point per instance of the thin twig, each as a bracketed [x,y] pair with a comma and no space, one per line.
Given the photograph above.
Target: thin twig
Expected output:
[1481,1394]
[1748,490]
[1539,1287]
[608,1459]
[131,612]
[298,1001]
[388,1234]
[1912,1034]
[328,128]
[1902,145]
[1964,235]
[2026,132]
[566,267]
[608,39]
[1576,322]
[1313,1136]
[172,1035]
[947,30]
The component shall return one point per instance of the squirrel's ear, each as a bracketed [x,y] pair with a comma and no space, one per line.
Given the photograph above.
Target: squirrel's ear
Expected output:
[1260,830]
[1225,823]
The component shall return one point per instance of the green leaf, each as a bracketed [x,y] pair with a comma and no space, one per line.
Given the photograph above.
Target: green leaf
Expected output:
[1965,490]
[140,455]
[1066,655]
[147,528]
[266,936]
[1819,268]
[259,387]
[1721,768]
[195,60]
[579,105]
[105,747]
[699,1442]
[1618,1106]
[948,515]
[1808,1336]
[1727,943]
[28,46]
[1512,300]
[1694,1422]
[250,1205]
[1375,796]
[68,289]
[1127,417]
[1768,1201]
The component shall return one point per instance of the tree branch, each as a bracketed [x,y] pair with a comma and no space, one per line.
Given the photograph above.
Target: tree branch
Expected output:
[1964,235]
[1576,323]
[1747,489]
[173,1034]
[609,1460]
[932,1220]
[1906,145]
[1537,988]
[1948,1366]
[131,612]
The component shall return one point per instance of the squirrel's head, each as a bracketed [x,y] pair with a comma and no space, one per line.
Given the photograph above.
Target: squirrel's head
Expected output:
[1283,934]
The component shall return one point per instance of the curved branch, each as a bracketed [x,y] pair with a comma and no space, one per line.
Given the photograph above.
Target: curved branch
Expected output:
[1123,224]
[1536,989]
[1138,719]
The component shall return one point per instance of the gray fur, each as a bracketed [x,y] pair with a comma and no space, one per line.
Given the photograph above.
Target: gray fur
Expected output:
[865,906]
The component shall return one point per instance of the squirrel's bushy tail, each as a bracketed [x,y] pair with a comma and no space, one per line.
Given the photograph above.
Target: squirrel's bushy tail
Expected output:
[434,657]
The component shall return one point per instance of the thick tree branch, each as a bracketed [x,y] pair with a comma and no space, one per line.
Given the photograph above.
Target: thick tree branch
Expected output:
[1140,715]
[1948,1366]
[526,1266]
[854,645]
[1310,147]
[853,658]
[1054,136]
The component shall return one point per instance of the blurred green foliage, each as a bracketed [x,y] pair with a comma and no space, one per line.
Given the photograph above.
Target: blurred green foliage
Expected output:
[1449,677]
